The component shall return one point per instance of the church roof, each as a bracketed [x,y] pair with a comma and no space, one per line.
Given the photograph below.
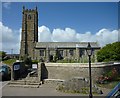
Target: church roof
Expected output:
[66,44]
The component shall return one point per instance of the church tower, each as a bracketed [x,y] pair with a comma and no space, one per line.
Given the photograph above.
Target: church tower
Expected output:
[29,35]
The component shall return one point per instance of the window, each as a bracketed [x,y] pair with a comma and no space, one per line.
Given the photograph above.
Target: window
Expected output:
[71,52]
[41,52]
[93,52]
[81,52]
[29,16]
[61,52]
[66,53]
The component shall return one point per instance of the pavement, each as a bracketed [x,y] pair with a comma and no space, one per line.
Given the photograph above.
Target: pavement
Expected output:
[44,90]
[2,84]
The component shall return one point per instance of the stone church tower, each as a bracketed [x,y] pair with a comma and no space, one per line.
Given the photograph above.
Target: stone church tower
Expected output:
[29,35]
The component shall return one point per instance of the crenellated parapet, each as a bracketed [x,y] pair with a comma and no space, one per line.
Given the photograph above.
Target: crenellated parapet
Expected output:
[30,10]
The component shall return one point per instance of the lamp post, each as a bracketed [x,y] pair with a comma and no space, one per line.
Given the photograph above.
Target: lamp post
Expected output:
[89,53]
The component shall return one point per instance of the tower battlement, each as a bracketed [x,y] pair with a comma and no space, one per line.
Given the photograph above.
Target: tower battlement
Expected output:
[29,10]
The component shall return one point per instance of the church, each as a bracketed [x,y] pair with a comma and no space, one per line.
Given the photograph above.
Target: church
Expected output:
[49,51]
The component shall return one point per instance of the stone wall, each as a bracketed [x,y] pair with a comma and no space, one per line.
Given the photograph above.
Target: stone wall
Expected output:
[70,70]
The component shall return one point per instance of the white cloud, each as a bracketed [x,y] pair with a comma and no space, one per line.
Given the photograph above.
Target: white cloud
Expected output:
[119,35]
[44,34]
[6,5]
[66,35]
[106,36]
[11,38]
[103,36]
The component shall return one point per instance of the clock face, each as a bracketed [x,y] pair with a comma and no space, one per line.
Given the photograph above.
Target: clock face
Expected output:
[29,17]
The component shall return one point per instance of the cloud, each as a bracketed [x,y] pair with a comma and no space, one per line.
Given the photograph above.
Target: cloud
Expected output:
[103,36]
[106,36]
[44,34]
[66,35]
[6,5]
[119,35]
[10,39]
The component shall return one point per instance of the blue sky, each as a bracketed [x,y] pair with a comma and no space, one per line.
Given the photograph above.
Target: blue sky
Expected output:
[62,21]
[80,16]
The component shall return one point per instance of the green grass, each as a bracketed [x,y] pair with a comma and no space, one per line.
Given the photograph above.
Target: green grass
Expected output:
[9,61]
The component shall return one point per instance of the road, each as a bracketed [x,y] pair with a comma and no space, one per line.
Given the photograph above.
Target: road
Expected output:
[44,90]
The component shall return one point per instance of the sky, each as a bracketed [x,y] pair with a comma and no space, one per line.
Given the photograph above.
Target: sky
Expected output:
[61,22]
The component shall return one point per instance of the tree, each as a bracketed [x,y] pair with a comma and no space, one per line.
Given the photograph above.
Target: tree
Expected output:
[27,60]
[110,52]
[2,54]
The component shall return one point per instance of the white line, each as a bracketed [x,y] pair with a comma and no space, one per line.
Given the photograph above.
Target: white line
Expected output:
[4,84]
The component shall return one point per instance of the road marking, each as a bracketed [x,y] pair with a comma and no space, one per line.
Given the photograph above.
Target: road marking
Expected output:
[4,84]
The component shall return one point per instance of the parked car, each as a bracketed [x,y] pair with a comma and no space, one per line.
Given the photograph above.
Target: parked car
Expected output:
[5,72]
[115,92]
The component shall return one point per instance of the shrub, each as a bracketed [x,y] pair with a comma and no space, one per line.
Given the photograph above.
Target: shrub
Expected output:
[111,75]
[110,52]
[34,61]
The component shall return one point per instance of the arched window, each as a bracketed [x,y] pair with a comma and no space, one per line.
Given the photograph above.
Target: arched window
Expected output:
[29,16]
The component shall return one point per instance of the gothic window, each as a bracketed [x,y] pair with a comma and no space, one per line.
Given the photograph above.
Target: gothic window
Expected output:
[81,52]
[41,52]
[93,52]
[66,53]
[61,52]
[29,16]
[71,52]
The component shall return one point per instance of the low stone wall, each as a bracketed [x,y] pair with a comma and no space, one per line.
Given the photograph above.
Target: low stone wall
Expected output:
[69,70]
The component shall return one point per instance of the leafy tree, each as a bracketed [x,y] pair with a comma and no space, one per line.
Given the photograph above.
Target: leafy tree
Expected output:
[2,54]
[110,52]
[27,60]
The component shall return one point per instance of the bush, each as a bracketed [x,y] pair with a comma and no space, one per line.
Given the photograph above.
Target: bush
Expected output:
[110,52]
[27,60]
[111,75]
[34,61]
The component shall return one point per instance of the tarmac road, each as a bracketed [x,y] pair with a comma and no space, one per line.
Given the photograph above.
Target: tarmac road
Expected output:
[44,90]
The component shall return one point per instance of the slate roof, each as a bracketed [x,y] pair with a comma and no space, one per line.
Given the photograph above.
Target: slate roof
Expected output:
[66,44]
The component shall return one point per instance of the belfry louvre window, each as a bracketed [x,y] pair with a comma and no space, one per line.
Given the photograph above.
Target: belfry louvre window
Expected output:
[41,52]
[29,16]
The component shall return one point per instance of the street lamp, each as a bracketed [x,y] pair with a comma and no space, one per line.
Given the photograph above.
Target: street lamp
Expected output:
[89,53]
